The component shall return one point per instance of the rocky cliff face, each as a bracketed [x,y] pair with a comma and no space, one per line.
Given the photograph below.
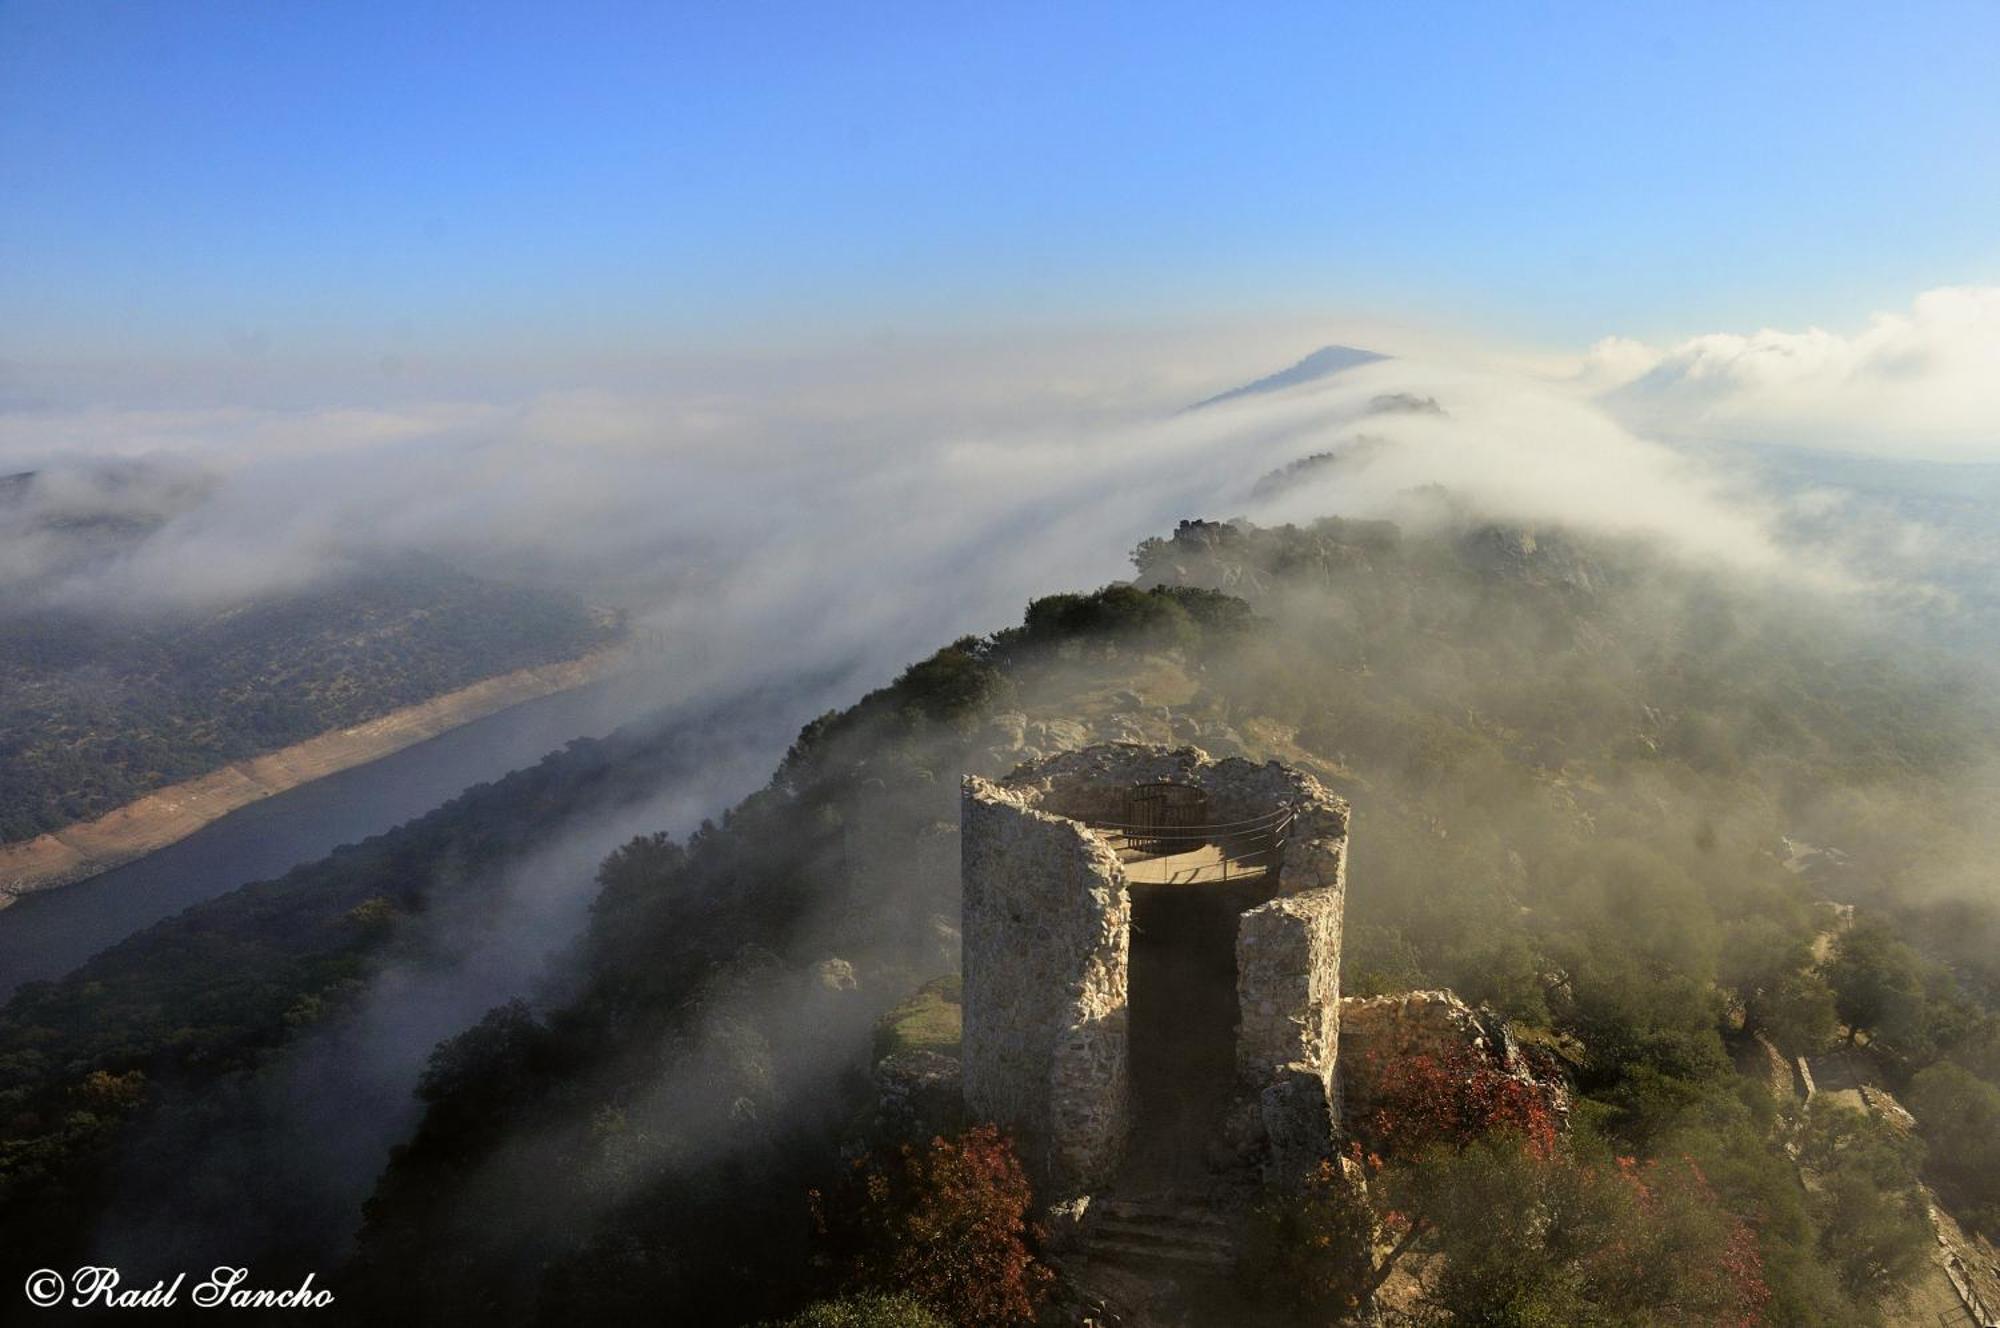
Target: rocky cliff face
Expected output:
[1252,561]
[1536,558]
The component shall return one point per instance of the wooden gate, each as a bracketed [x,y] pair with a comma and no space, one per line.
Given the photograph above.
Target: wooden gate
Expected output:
[1166,818]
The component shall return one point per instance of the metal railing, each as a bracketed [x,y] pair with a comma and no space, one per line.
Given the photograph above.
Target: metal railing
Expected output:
[1247,848]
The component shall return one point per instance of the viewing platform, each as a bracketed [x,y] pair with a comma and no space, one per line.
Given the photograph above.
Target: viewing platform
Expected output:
[1164,849]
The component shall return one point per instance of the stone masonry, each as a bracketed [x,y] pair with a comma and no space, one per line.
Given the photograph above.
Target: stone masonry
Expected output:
[1046,926]
[1047,922]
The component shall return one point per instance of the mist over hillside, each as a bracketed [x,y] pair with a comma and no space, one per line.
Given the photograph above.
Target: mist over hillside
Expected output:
[1927,525]
[1576,792]
[763,504]
[1589,693]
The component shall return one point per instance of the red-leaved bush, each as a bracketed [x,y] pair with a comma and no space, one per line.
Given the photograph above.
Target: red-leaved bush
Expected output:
[1466,1167]
[947,1223]
[1691,1252]
[1454,1098]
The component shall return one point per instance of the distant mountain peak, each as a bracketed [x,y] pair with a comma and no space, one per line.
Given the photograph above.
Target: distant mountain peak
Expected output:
[1322,363]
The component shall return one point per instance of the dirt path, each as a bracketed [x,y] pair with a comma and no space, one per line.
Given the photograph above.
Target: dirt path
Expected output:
[80,851]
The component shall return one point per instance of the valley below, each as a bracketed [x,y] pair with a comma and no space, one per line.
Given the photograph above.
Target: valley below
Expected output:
[48,932]
[157,820]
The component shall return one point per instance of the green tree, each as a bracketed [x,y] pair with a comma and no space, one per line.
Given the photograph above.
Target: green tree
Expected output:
[1960,1117]
[1873,1230]
[1800,1014]
[1878,983]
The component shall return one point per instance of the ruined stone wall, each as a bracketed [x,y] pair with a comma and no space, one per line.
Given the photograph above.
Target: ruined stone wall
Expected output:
[1288,1040]
[1315,856]
[1046,935]
[1092,784]
[1047,922]
[1288,974]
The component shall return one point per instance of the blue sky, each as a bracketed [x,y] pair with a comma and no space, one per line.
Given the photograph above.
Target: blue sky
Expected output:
[177,179]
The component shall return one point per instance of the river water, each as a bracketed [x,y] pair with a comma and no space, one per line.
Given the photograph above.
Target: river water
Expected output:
[46,935]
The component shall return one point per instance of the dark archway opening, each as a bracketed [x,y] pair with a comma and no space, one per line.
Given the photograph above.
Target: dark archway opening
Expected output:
[1182,1023]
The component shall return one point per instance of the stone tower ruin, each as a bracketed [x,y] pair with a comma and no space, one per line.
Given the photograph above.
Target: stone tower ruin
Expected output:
[1152,965]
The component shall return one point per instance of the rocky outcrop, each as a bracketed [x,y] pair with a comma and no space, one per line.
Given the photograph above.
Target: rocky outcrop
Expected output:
[836,975]
[1547,558]
[1248,561]
[1011,738]
[1378,1031]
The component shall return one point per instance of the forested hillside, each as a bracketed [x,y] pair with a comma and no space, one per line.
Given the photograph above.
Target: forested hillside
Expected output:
[1574,768]
[1609,795]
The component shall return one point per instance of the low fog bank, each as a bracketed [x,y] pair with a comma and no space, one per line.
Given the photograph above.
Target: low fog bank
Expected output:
[272,1167]
[1577,766]
[854,507]
[1916,382]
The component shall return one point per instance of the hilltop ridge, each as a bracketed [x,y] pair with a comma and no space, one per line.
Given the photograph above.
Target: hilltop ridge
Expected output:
[1322,363]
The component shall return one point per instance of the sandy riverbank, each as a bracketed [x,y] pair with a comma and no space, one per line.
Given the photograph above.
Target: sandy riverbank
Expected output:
[80,851]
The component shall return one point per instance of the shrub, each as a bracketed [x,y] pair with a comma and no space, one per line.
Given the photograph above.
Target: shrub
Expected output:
[1311,1250]
[1559,1239]
[1115,612]
[1454,1098]
[952,683]
[1960,1117]
[946,1223]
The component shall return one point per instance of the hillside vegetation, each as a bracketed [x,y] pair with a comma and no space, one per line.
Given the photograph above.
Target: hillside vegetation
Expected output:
[1574,769]
[1588,786]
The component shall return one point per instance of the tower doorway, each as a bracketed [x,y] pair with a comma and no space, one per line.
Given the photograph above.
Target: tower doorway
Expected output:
[1182,1016]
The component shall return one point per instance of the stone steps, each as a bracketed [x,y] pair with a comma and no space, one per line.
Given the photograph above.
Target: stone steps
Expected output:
[1155,1233]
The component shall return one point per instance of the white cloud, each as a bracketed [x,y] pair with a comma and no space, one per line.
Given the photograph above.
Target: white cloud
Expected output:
[1519,450]
[1924,383]
[861,512]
